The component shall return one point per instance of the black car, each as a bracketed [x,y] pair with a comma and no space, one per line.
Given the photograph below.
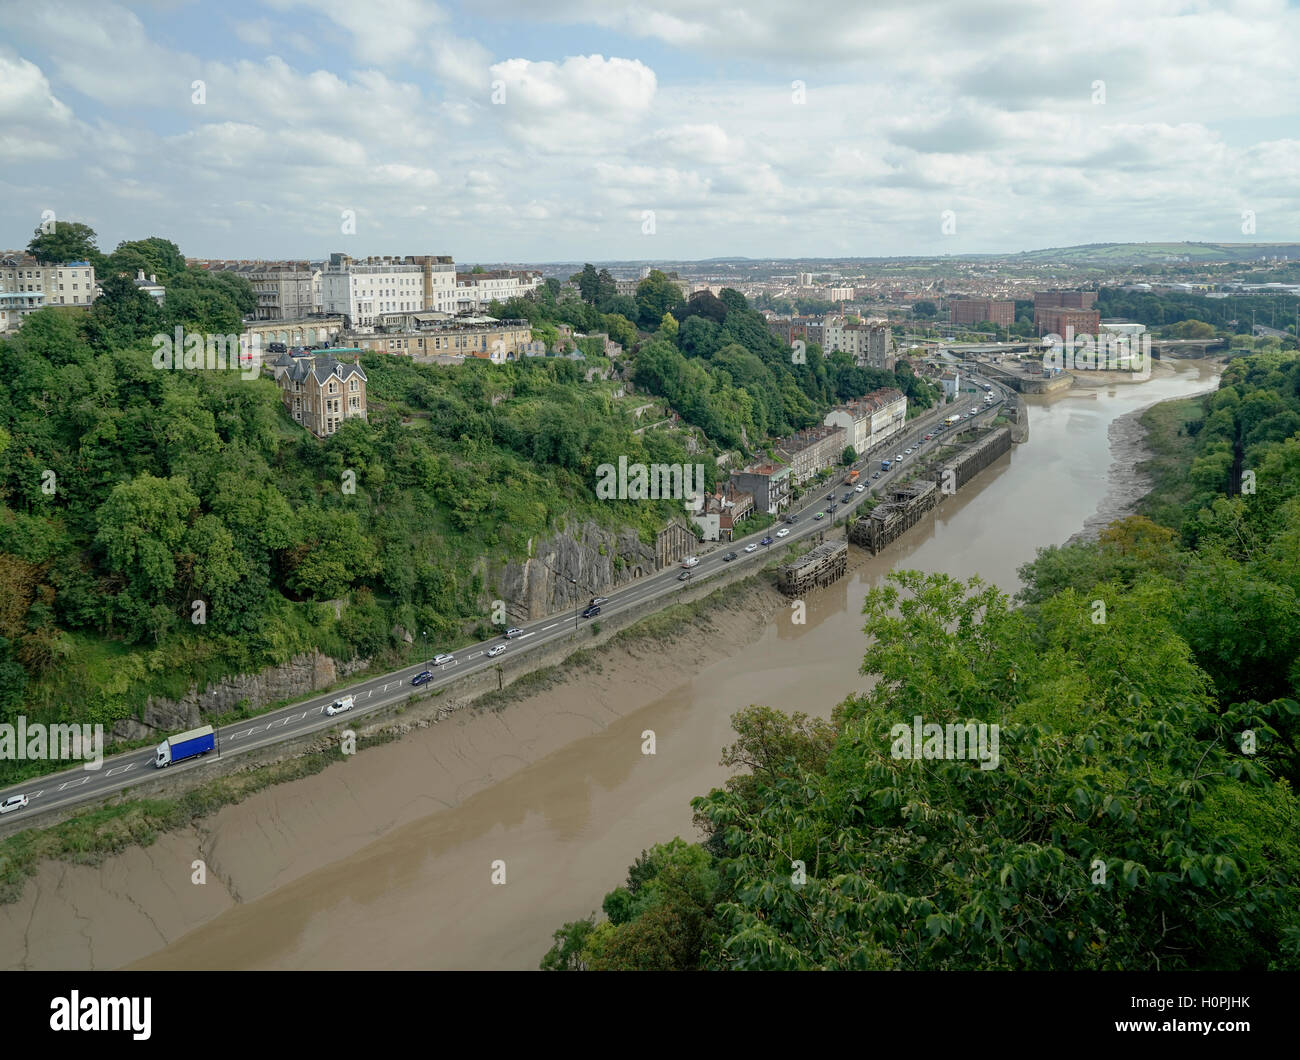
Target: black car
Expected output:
[685,576]
[791,518]
[729,557]
[422,678]
[847,497]
[593,609]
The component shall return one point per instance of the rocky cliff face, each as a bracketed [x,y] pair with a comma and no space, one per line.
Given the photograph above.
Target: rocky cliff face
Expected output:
[588,555]
[301,675]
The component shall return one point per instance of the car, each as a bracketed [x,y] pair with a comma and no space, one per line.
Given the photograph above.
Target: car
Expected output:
[729,557]
[443,659]
[493,652]
[596,601]
[907,451]
[848,496]
[860,488]
[928,437]
[876,475]
[339,706]
[899,458]
[685,576]
[791,518]
[592,609]
[512,633]
[751,548]
[782,532]
[820,515]
[766,541]
[422,678]
[14,802]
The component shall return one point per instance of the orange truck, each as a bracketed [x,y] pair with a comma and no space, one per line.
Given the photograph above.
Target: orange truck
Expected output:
[852,477]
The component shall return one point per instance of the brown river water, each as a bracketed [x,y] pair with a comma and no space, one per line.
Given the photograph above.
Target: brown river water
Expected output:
[387,860]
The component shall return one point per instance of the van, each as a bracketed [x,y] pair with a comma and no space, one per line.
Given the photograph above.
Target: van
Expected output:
[339,706]
[690,561]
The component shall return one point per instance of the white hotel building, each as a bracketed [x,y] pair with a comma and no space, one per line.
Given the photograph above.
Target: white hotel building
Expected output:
[26,286]
[360,290]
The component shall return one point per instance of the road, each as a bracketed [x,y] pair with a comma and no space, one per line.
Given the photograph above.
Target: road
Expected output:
[77,785]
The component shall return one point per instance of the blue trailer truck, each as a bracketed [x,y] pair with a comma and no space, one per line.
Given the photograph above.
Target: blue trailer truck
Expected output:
[186,745]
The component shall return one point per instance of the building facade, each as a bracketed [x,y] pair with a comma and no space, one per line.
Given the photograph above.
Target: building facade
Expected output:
[979,310]
[483,337]
[1054,320]
[812,450]
[320,392]
[359,290]
[768,483]
[474,290]
[870,344]
[286,290]
[870,419]
[26,286]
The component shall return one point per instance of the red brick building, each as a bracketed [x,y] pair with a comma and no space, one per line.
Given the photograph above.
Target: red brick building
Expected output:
[1053,320]
[977,310]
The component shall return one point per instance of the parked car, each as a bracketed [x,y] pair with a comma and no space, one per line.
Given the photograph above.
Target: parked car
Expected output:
[422,678]
[685,576]
[592,609]
[729,557]
[14,802]
[782,532]
[493,652]
[751,548]
[876,475]
[766,541]
[512,633]
[443,659]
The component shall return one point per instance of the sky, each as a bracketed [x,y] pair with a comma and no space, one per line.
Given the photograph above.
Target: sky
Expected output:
[562,130]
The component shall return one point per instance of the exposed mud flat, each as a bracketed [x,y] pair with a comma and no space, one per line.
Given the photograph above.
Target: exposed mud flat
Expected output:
[142,900]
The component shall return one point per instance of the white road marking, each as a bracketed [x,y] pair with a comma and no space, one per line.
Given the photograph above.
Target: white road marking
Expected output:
[525,636]
[246,732]
[119,769]
[476,655]
[72,783]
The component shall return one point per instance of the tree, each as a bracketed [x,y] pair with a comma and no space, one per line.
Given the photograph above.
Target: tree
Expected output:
[925,308]
[154,256]
[848,456]
[66,241]
[122,315]
[588,281]
[478,270]
[655,296]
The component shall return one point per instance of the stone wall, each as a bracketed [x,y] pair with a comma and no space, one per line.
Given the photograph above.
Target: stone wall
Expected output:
[300,676]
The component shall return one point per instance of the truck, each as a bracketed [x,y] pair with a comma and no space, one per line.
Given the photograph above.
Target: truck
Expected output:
[852,477]
[884,465]
[186,745]
[951,420]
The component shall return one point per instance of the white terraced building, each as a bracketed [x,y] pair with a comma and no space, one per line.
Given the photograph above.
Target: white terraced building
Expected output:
[360,290]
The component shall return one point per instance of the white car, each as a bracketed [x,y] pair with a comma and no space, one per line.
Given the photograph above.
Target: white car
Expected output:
[907,450]
[494,652]
[751,548]
[859,488]
[783,532]
[339,706]
[14,802]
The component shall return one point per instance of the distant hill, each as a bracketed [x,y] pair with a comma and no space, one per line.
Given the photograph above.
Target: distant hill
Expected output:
[1156,253]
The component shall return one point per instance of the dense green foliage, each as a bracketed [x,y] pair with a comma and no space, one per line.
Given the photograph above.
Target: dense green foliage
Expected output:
[1143,813]
[1234,313]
